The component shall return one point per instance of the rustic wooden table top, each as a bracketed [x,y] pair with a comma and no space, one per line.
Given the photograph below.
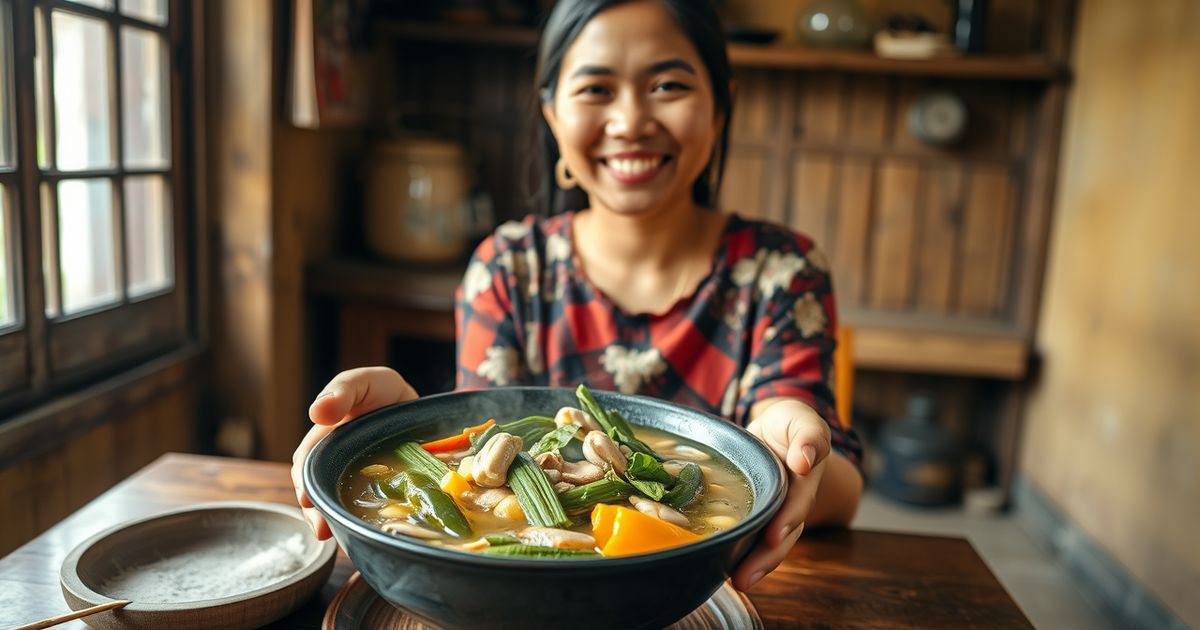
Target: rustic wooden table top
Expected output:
[832,579]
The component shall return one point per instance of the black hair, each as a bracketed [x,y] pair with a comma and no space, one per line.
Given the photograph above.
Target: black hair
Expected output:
[699,21]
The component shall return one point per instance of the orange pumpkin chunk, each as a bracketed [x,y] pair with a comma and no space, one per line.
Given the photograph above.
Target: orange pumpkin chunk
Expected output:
[622,531]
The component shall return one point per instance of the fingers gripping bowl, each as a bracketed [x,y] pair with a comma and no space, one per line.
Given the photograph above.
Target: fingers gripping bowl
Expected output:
[458,588]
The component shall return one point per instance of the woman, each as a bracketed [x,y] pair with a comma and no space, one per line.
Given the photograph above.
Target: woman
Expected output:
[638,284]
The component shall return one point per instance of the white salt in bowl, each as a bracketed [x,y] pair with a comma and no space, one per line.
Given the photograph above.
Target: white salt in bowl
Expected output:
[216,566]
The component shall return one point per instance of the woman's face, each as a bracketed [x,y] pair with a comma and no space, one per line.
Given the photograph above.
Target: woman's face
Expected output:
[633,113]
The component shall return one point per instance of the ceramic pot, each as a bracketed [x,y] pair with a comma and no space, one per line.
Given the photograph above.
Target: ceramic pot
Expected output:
[417,201]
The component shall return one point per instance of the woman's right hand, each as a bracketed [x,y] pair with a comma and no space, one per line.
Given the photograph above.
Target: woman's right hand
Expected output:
[348,396]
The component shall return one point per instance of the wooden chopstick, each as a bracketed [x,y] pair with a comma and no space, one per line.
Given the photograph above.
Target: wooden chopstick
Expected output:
[82,612]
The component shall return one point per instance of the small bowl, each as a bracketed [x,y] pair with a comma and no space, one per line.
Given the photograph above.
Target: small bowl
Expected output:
[457,589]
[237,528]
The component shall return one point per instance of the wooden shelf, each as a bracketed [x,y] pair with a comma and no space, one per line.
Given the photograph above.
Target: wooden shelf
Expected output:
[996,67]
[984,67]
[940,352]
[881,342]
[937,344]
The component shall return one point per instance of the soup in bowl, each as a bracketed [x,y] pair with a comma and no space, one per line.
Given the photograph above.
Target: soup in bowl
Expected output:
[544,507]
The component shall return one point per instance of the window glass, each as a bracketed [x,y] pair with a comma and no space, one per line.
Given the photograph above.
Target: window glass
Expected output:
[85,244]
[99,4]
[41,65]
[8,149]
[83,120]
[8,313]
[154,11]
[148,248]
[144,99]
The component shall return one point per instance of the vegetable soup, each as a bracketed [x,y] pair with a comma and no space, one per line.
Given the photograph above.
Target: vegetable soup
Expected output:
[581,483]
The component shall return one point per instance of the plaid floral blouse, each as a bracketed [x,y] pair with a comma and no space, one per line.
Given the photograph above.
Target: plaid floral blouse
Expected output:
[760,325]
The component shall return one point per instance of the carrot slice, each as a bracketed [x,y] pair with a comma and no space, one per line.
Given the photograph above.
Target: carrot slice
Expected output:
[457,442]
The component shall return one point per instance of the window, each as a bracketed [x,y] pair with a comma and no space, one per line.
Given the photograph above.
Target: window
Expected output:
[93,250]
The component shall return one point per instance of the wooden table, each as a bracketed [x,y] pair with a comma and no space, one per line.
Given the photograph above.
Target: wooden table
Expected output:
[834,579]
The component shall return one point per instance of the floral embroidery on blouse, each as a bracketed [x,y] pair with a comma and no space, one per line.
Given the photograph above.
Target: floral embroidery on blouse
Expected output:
[631,368]
[810,315]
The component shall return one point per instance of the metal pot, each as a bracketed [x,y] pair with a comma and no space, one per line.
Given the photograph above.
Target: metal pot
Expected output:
[922,460]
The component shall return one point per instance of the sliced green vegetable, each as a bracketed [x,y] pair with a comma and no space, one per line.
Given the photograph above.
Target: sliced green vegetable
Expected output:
[589,404]
[646,468]
[419,460]
[573,451]
[535,494]
[430,505]
[582,498]
[497,541]
[613,423]
[554,440]
[478,440]
[630,438]
[649,489]
[530,429]
[534,551]
[687,487]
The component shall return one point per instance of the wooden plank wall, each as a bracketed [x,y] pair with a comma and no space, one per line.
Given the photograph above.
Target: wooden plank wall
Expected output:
[910,229]
[39,492]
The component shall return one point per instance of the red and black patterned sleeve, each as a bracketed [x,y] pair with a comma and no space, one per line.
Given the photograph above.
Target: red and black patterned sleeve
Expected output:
[488,339]
[794,337]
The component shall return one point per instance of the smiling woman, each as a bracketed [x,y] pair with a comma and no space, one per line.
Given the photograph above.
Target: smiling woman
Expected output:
[637,282]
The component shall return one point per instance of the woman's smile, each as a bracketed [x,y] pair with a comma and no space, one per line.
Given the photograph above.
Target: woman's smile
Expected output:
[635,167]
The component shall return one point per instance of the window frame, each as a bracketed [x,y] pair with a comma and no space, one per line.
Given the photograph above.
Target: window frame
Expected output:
[46,359]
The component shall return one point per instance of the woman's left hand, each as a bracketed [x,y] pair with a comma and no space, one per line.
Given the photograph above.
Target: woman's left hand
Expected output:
[800,438]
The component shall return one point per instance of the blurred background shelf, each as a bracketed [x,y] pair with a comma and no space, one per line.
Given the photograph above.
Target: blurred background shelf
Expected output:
[782,56]
[449,33]
[1000,67]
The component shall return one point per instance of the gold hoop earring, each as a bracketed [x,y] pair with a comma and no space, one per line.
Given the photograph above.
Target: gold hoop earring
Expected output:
[561,175]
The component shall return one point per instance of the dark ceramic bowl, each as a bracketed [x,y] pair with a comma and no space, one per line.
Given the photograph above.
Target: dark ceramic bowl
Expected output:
[459,589]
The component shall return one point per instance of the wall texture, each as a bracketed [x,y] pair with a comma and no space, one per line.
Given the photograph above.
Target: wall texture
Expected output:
[1112,433]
